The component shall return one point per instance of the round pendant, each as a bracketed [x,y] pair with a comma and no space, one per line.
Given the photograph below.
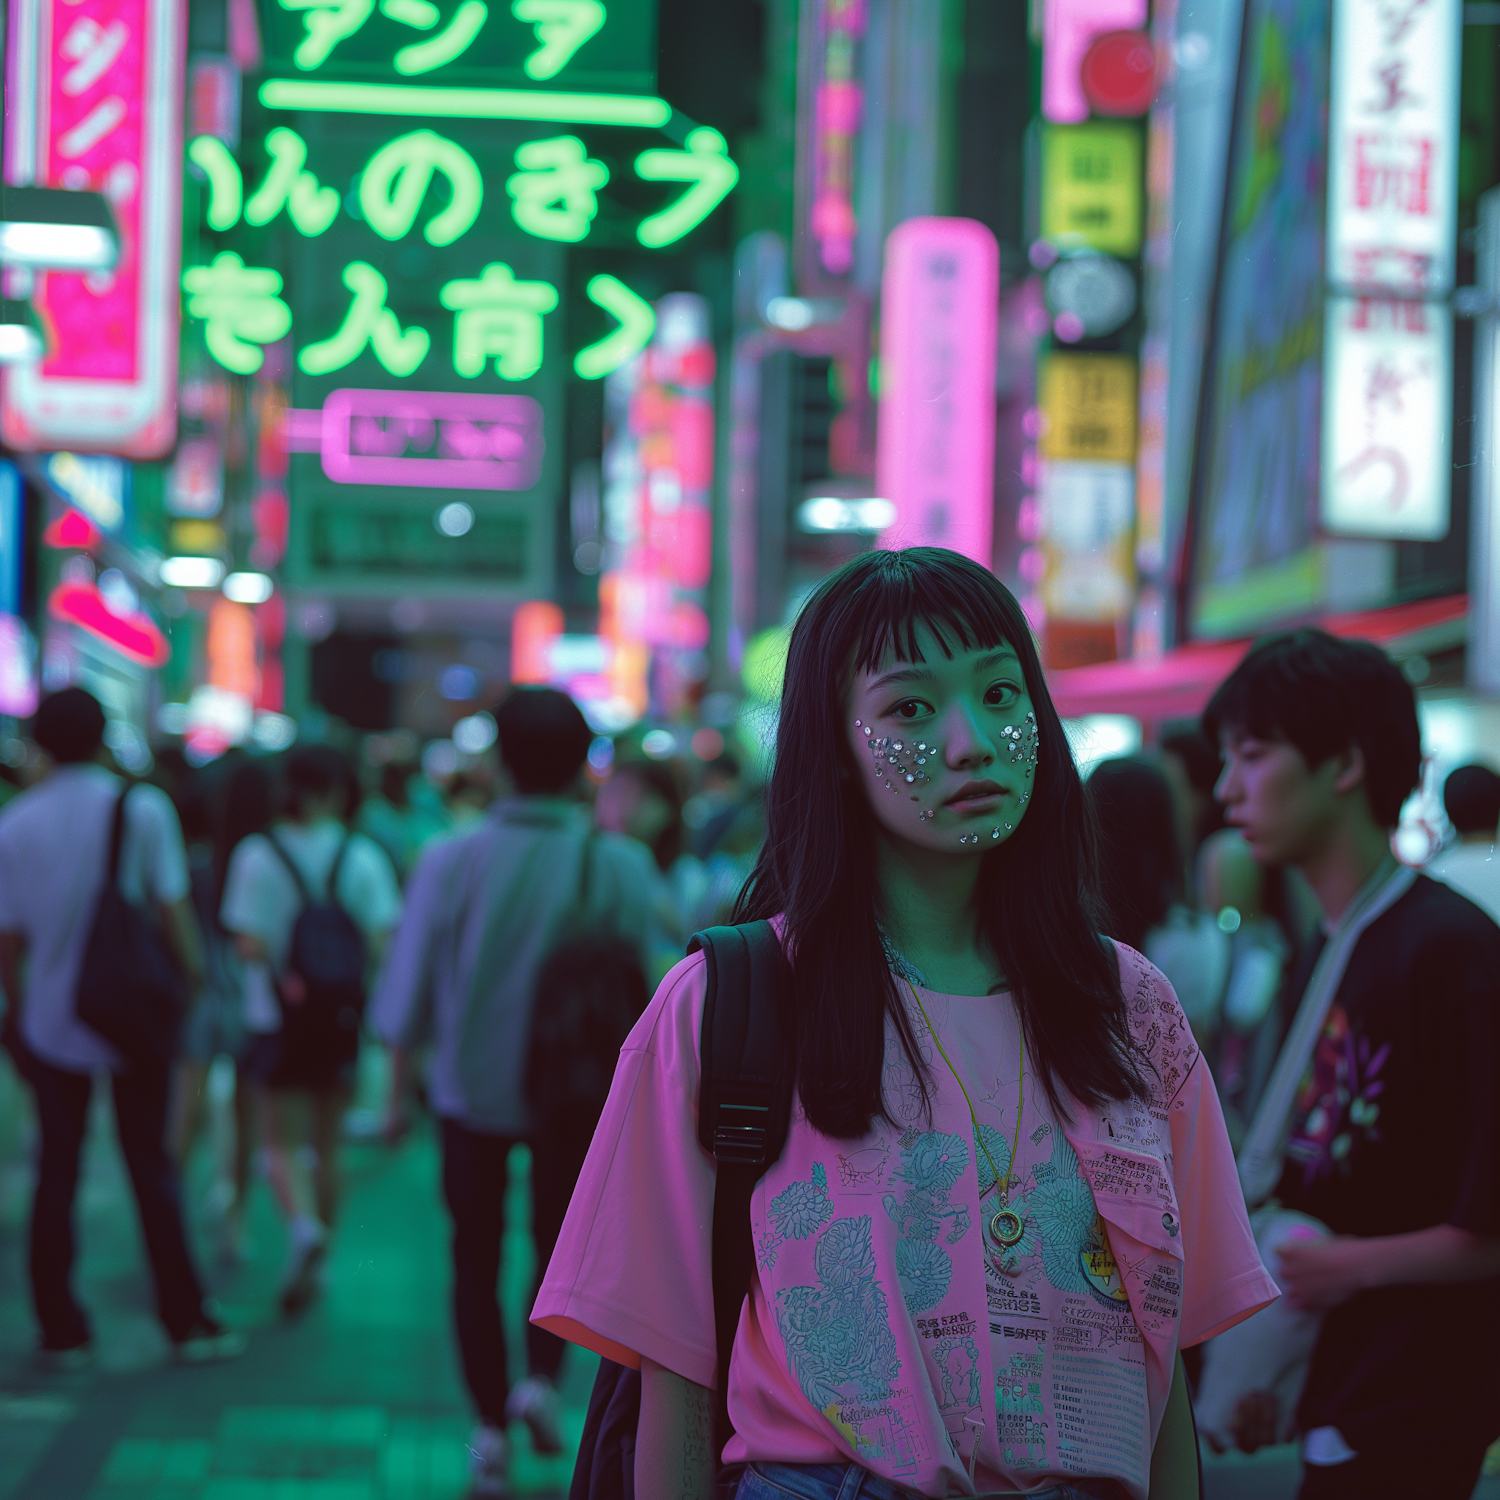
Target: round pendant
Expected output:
[1007,1227]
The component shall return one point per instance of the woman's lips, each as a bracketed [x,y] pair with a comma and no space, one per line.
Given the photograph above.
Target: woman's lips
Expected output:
[976,797]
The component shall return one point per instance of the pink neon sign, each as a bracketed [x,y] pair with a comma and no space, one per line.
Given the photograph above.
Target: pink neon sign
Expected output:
[94,101]
[437,439]
[1069,28]
[935,451]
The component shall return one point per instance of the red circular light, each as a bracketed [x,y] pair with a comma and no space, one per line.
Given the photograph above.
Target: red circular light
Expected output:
[1119,74]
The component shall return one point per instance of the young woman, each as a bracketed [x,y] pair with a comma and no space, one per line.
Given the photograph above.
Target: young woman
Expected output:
[1006,1200]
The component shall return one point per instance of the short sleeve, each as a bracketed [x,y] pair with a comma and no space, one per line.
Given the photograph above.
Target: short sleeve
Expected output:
[244,908]
[164,867]
[631,1276]
[367,886]
[1223,1280]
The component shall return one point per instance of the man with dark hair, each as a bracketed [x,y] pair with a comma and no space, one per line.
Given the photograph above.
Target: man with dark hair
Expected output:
[1381,1117]
[54,849]
[1471,798]
[483,912]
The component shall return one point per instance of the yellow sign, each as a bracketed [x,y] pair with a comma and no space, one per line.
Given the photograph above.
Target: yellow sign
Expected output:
[1091,187]
[1089,401]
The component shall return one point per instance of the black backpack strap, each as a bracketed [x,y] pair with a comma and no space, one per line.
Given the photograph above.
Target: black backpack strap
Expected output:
[292,870]
[744,1108]
[333,873]
[116,839]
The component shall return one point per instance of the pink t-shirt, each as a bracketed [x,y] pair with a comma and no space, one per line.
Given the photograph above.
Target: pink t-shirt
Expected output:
[879,1328]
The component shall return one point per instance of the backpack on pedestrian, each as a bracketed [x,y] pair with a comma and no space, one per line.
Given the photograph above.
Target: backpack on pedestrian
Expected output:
[744,1109]
[130,988]
[321,988]
[590,991]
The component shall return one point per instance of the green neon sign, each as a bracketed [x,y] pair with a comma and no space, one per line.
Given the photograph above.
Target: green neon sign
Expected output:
[240,308]
[554,192]
[466,104]
[310,207]
[706,165]
[369,322]
[637,325]
[327,25]
[225,186]
[499,318]
[393,185]
[562,27]
[453,41]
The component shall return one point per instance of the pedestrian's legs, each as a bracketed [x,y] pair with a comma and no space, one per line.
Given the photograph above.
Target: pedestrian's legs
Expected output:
[474,1188]
[62,1103]
[283,1132]
[189,1106]
[141,1098]
[329,1106]
[556,1160]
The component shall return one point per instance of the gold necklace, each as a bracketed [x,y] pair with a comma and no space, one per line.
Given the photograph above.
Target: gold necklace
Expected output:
[1006,1226]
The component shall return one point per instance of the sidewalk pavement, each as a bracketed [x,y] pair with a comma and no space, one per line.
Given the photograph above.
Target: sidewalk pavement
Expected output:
[360,1399]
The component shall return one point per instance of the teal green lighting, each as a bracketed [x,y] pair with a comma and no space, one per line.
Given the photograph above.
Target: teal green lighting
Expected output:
[452,41]
[240,308]
[706,165]
[310,207]
[225,186]
[562,27]
[327,23]
[500,318]
[637,324]
[555,189]
[368,321]
[393,185]
[420,14]
[469,104]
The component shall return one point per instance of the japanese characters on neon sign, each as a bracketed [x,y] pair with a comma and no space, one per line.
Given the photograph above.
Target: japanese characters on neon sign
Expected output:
[94,100]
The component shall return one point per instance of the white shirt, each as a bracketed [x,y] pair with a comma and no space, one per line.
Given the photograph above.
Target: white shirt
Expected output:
[54,845]
[261,899]
[1473,870]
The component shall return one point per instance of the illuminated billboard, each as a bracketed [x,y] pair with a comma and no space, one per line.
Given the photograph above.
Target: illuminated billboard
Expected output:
[94,99]
[1256,470]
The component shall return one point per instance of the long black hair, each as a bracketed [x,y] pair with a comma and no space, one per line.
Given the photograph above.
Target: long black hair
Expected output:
[818,864]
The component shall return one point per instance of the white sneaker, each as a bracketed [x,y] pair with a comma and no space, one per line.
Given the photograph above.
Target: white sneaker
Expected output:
[489,1464]
[535,1402]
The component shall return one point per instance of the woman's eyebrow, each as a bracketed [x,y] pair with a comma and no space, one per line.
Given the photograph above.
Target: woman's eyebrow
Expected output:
[901,674]
[1004,656]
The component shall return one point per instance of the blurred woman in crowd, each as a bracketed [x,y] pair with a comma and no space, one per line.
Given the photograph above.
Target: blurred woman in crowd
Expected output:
[1141,884]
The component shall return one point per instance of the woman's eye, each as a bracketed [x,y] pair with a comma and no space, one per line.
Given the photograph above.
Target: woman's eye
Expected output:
[910,709]
[1002,694]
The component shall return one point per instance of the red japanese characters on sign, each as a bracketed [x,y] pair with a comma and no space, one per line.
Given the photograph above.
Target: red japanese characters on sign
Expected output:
[94,101]
[1393,147]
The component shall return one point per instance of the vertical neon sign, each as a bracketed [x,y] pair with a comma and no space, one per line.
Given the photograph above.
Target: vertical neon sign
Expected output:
[935,454]
[94,100]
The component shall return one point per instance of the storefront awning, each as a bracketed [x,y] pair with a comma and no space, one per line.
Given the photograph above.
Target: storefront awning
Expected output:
[1179,685]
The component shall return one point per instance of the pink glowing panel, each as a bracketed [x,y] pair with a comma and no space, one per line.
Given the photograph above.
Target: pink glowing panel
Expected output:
[1069,27]
[94,100]
[935,450]
[437,439]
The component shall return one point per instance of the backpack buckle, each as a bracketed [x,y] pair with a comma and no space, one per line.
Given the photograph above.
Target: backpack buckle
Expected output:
[742,1140]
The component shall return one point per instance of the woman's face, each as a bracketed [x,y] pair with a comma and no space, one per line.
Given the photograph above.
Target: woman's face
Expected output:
[945,749]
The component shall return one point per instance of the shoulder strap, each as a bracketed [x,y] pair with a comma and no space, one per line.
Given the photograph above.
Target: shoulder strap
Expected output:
[116,838]
[333,873]
[292,870]
[744,1108]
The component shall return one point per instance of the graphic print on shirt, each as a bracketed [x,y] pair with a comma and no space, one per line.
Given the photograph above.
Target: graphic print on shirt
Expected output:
[1019,1412]
[839,1342]
[1338,1104]
[797,1212]
[931,1164]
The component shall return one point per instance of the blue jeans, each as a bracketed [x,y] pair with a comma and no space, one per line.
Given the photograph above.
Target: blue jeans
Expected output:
[850,1482]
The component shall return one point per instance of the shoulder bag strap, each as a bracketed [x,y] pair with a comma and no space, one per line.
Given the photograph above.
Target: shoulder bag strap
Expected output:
[743,1114]
[333,874]
[116,839]
[285,857]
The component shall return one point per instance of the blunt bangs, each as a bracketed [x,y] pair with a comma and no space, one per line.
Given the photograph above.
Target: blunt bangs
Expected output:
[961,603]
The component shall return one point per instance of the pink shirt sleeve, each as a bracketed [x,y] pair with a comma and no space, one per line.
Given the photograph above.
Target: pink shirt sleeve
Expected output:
[632,1274]
[1223,1278]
